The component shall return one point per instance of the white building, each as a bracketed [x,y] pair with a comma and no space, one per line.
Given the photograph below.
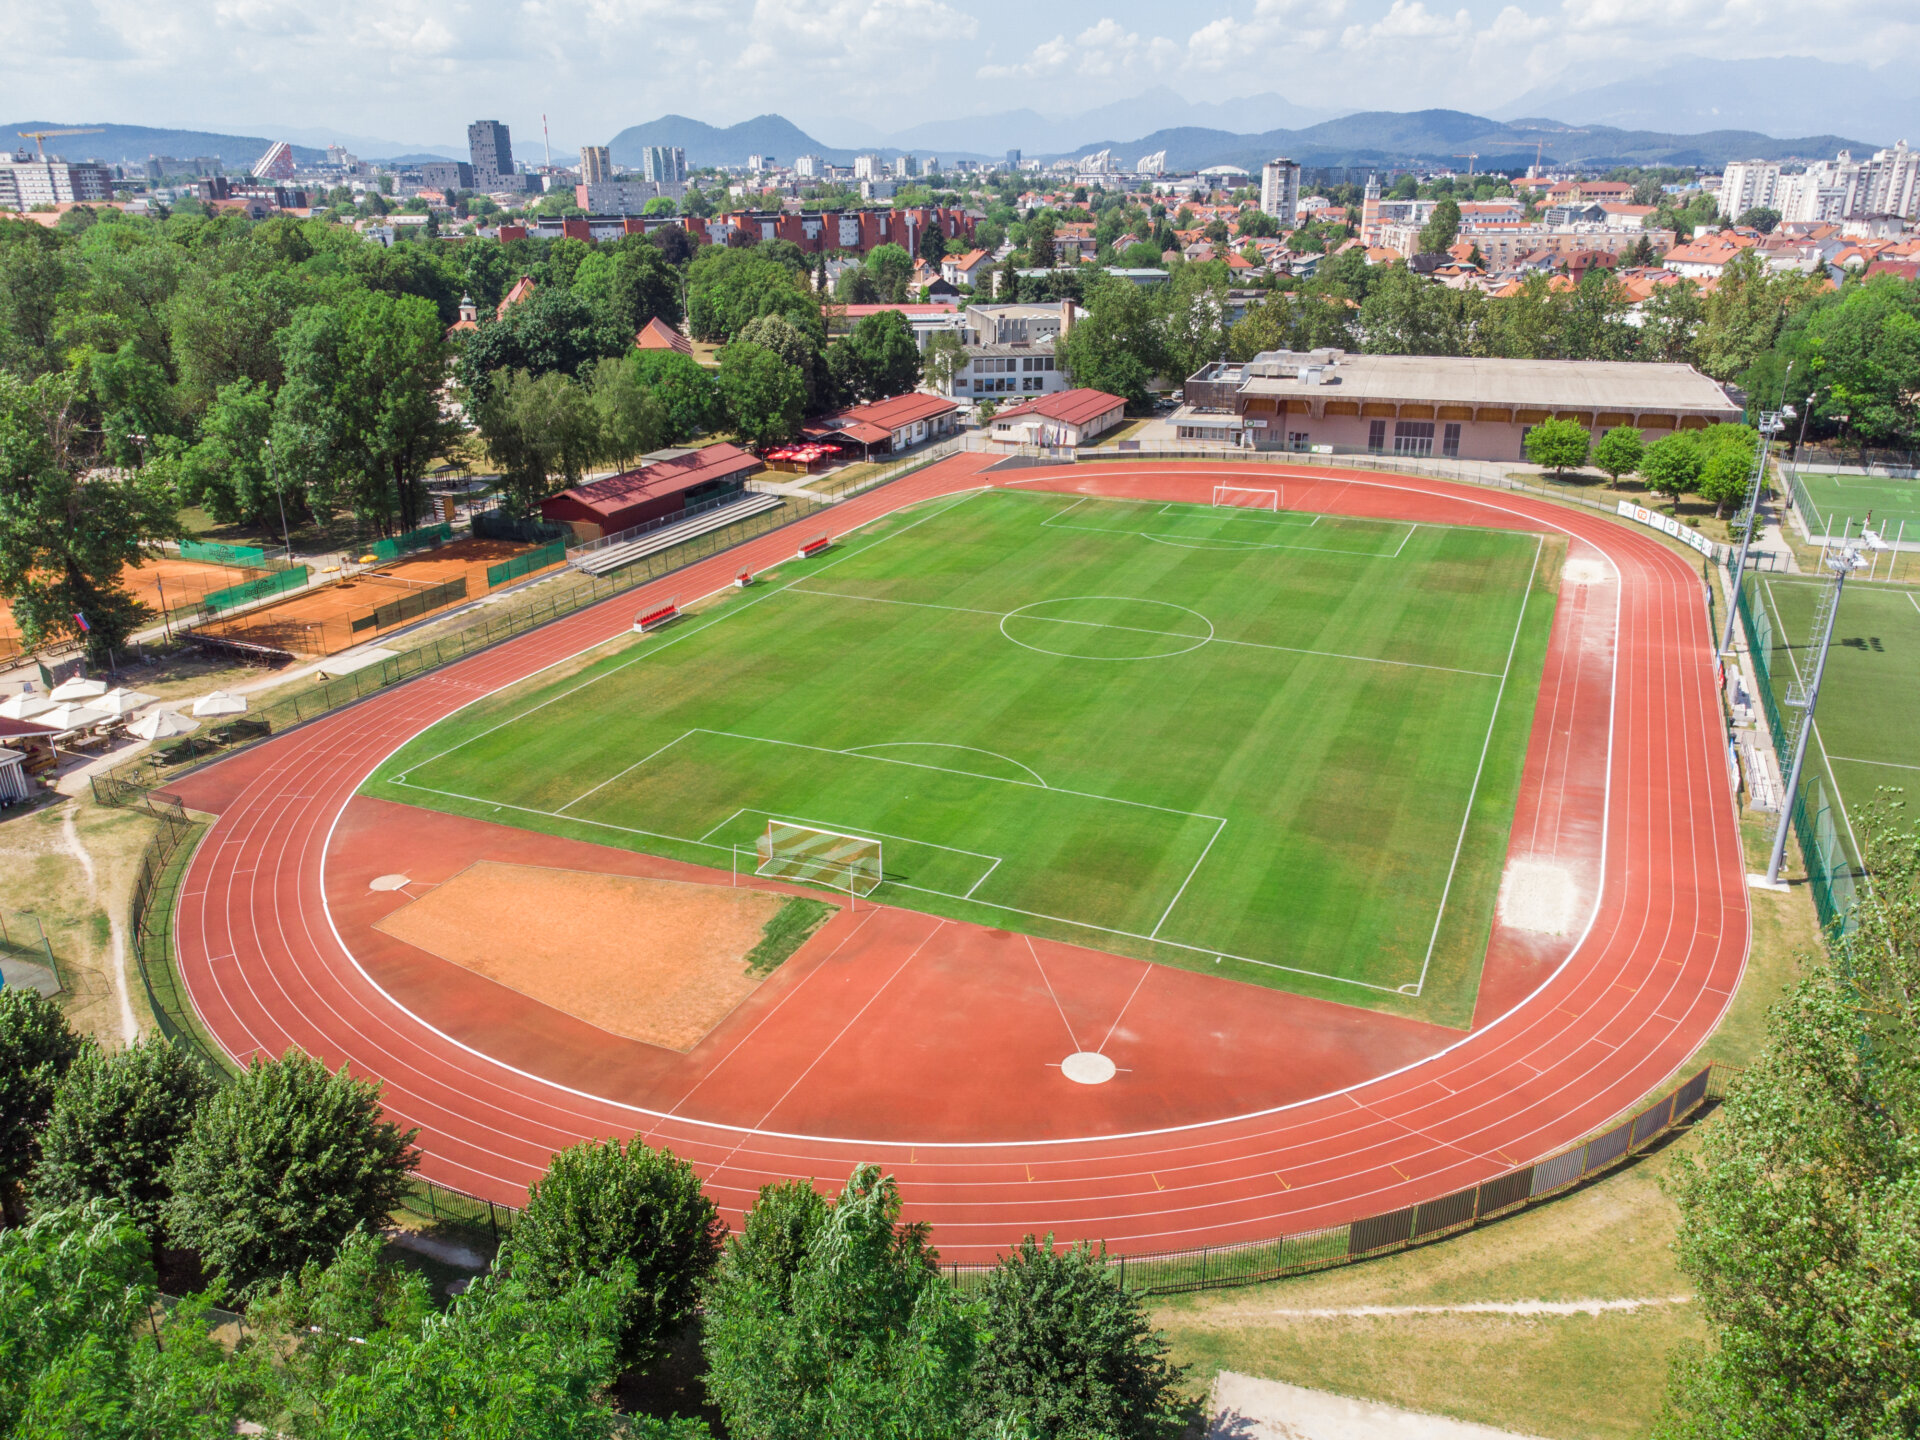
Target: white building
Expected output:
[622,197]
[809,167]
[868,167]
[596,164]
[663,163]
[1842,189]
[1280,191]
[26,181]
[1154,164]
[1747,184]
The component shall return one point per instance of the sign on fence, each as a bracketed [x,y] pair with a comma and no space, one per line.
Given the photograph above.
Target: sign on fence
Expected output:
[1670,526]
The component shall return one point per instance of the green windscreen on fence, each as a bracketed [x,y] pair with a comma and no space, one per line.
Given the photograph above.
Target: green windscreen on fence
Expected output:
[210,552]
[420,539]
[526,564]
[237,595]
[1830,869]
[400,611]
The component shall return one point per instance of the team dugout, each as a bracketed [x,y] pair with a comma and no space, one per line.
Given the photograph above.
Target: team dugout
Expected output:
[1466,409]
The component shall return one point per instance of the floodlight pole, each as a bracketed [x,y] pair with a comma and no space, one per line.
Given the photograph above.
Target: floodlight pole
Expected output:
[1839,564]
[1769,427]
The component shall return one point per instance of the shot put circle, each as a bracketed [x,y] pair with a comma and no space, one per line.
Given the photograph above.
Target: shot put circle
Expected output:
[1107,627]
[1087,1067]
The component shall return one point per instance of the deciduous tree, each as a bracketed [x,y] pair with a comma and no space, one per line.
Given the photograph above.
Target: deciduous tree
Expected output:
[601,1206]
[1558,445]
[281,1166]
[764,395]
[36,1049]
[1619,451]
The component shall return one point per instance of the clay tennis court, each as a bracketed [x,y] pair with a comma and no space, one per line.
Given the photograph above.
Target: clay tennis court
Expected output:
[934,1048]
[320,621]
[162,583]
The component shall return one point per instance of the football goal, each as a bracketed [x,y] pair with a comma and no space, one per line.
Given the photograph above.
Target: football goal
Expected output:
[819,857]
[1242,497]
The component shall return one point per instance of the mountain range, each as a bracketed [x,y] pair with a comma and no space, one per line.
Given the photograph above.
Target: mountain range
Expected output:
[1369,139]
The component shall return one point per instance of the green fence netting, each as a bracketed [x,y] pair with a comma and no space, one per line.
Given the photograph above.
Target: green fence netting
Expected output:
[426,535]
[526,564]
[497,524]
[407,607]
[211,552]
[237,595]
[1832,873]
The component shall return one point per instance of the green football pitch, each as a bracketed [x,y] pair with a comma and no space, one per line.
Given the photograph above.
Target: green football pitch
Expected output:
[1866,734]
[1839,505]
[1275,746]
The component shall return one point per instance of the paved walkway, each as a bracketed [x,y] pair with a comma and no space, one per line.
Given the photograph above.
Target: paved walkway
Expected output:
[1246,1408]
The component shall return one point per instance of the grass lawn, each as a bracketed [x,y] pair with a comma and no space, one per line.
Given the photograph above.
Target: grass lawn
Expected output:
[1278,747]
[1867,733]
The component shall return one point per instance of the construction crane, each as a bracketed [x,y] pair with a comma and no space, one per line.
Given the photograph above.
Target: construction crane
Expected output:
[1469,157]
[39,135]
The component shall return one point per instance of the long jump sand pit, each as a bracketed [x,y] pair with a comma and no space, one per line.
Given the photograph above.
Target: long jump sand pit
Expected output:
[659,961]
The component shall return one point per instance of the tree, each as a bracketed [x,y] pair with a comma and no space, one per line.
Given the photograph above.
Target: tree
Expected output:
[631,281]
[1404,314]
[359,416]
[1671,465]
[67,528]
[34,273]
[1039,244]
[1619,452]
[944,357]
[1119,347]
[836,1321]
[542,429]
[1800,1219]
[1759,218]
[1593,319]
[1670,323]
[856,286]
[1140,255]
[226,470]
[687,389]
[726,288]
[1726,464]
[1069,1352]
[892,270]
[36,1049]
[877,358]
[795,346]
[1863,351]
[281,1166]
[1558,445]
[1744,314]
[672,241]
[600,1207]
[764,395]
[1441,230]
[88,1351]
[932,246]
[630,419]
[116,1122]
[555,330]
[357,1349]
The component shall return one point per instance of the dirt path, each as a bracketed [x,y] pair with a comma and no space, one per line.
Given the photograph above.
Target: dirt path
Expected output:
[116,970]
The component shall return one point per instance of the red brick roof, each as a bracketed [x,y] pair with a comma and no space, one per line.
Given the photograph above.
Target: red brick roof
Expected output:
[1069,407]
[664,477]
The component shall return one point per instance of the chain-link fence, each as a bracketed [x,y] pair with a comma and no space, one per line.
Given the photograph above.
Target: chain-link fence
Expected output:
[27,953]
[1833,873]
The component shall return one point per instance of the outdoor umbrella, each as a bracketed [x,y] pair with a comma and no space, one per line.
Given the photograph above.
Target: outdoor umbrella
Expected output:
[220,702]
[122,702]
[79,688]
[24,707]
[70,717]
[162,725]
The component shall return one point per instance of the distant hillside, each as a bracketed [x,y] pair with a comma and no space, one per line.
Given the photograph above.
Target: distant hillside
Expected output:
[709,145]
[131,144]
[1378,138]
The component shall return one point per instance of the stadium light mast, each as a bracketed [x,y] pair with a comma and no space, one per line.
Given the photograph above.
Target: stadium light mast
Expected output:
[1769,427]
[1839,562]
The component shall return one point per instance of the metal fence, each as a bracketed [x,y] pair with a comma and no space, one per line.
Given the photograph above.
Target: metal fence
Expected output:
[264,588]
[398,545]
[23,937]
[1833,874]
[410,607]
[210,552]
[553,552]
[1216,1267]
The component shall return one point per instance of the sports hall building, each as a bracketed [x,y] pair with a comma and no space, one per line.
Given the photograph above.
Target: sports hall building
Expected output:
[1440,405]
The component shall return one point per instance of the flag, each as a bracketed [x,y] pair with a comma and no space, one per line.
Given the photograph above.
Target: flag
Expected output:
[81,621]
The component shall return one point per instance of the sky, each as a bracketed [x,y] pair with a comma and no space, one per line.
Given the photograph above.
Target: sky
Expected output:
[415,71]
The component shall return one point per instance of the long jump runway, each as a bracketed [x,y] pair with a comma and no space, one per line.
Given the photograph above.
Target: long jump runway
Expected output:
[1625,782]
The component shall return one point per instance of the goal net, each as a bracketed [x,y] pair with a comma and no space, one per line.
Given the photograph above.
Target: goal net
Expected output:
[1241,497]
[820,857]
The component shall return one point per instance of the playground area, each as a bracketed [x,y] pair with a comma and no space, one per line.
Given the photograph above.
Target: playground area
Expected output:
[333,615]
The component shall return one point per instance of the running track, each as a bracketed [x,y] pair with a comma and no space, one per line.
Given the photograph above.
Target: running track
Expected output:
[1646,983]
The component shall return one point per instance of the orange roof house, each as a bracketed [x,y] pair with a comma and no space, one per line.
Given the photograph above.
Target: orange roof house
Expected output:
[656,334]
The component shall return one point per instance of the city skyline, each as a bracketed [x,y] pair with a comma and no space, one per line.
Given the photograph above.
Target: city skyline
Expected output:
[416,63]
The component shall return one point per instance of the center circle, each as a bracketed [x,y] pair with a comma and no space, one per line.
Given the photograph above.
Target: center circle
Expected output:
[1087,1067]
[1107,627]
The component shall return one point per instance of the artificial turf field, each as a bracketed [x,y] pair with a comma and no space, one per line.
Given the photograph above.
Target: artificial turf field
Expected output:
[1839,504]
[1279,747]
[1867,731]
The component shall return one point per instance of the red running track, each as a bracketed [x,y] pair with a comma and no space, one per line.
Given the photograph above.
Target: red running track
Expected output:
[1584,1038]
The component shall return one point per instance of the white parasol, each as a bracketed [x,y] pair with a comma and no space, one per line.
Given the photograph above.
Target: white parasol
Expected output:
[70,717]
[122,702]
[220,702]
[162,725]
[23,707]
[79,688]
